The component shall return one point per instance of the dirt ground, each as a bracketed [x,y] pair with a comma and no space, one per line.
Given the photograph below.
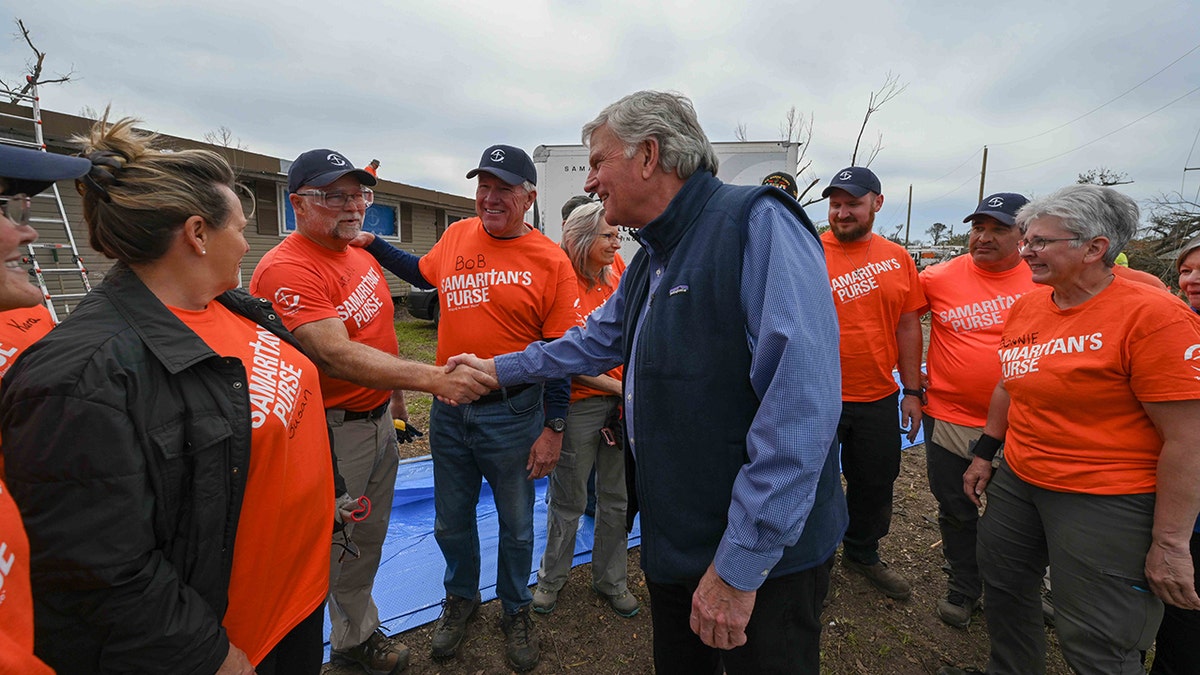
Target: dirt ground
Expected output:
[864,633]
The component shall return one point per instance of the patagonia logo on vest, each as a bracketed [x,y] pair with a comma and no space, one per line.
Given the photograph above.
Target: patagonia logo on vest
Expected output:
[681,288]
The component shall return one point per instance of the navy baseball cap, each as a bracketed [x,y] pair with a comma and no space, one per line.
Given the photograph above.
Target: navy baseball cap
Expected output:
[1002,206]
[321,167]
[508,163]
[857,180]
[31,171]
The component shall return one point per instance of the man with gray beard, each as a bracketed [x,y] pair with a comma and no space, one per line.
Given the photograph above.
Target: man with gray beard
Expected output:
[878,299]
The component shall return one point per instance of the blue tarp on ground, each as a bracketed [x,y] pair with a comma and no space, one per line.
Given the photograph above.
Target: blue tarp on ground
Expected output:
[408,588]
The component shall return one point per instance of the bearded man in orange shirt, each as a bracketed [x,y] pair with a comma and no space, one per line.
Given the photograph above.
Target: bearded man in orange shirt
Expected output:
[878,300]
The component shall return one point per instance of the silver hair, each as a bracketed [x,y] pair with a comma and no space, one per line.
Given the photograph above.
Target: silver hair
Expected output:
[529,187]
[667,117]
[1088,211]
[580,231]
[1185,251]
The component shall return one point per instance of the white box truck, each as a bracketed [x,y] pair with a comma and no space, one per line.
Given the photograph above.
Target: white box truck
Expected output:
[562,170]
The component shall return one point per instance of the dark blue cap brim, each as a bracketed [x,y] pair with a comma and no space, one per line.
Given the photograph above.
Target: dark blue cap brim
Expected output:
[506,176]
[323,179]
[30,171]
[855,190]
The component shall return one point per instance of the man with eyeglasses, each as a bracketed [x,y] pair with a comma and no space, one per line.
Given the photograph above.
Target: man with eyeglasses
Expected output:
[334,298]
[969,298]
[501,285]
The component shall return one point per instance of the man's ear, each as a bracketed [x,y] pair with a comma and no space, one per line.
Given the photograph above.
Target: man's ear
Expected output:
[647,156]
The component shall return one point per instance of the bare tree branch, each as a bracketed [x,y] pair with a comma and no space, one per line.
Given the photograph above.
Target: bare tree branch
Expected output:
[891,89]
[1104,176]
[874,150]
[34,76]
[223,136]
[740,133]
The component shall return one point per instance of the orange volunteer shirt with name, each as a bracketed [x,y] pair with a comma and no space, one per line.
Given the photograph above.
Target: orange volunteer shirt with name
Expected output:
[307,282]
[499,295]
[20,328]
[1077,378]
[873,283]
[591,298]
[968,306]
[280,569]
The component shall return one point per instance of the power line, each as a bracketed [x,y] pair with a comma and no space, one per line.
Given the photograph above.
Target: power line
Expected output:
[957,167]
[1183,181]
[1121,95]
[1121,128]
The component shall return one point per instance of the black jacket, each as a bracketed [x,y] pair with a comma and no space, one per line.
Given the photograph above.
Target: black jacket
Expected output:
[126,443]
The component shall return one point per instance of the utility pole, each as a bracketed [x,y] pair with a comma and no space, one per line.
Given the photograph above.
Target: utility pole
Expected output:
[983,174]
[908,218]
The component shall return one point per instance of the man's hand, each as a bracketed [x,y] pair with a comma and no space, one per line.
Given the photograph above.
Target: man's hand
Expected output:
[462,385]
[910,416]
[543,456]
[486,365]
[363,239]
[235,663]
[720,612]
[1170,573]
[976,479]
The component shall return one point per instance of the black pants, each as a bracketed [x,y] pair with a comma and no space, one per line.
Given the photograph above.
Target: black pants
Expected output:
[301,651]
[783,636]
[1177,650]
[870,438]
[958,518]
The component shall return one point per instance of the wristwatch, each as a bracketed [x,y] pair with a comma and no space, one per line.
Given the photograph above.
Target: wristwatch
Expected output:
[919,393]
[556,424]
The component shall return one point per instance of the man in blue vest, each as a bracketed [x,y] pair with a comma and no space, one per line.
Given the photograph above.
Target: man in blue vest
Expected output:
[726,326]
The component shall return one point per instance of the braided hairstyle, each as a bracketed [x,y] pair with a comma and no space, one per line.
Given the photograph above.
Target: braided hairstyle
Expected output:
[137,194]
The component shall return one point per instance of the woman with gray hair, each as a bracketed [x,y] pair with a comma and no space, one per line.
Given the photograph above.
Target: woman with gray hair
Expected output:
[593,437]
[1098,408]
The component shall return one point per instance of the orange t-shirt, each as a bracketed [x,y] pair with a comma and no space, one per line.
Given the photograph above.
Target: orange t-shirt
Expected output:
[1076,379]
[498,295]
[281,556]
[20,328]
[969,306]
[591,298]
[16,597]
[873,283]
[308,282]
[1140,277]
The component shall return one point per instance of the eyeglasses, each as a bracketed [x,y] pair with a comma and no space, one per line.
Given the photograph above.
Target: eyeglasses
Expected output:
[611,237]
[17,208]
[337,200]
[1038,243]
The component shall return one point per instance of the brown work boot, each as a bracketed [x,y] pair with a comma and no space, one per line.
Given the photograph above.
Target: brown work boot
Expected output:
[956,609]
[378,655]
[882,577]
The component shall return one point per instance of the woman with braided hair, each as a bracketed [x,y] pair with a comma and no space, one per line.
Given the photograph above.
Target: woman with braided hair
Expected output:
[166,443]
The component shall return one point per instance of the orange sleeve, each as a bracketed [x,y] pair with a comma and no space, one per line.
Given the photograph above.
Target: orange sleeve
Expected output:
[298,295]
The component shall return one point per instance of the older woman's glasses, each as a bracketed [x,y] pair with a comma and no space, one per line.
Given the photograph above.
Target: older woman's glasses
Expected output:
[338,199]
[611,237]
[17,208]
[1038,243]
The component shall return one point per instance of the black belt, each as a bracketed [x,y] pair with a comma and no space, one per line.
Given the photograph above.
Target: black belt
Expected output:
[352,415]
[498,395]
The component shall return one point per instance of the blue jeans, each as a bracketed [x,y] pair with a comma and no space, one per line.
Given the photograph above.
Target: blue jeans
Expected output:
[492,441]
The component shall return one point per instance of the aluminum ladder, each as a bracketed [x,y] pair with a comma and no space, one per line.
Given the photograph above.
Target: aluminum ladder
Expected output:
[62,270]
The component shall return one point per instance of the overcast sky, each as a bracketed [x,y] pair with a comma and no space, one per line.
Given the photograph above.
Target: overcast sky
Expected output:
[426,86]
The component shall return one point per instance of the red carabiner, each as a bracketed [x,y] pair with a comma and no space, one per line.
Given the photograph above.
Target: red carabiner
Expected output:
[364,509]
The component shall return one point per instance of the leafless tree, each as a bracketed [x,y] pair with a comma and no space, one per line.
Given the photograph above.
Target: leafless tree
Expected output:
[891,89]
[33,74]
[1103,176]
[223,136]
[741,133]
